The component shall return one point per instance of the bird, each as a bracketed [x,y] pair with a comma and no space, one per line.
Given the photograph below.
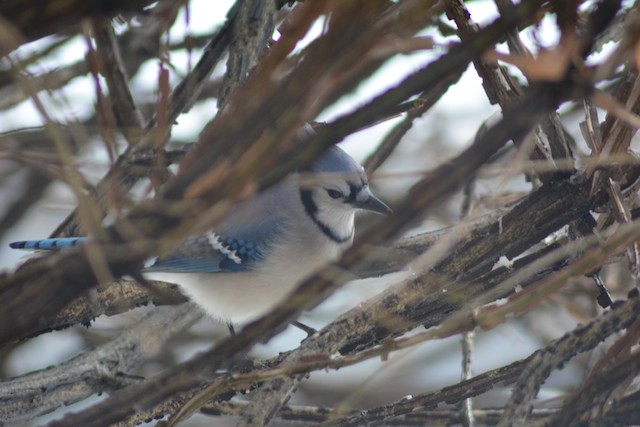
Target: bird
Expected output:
[267,244]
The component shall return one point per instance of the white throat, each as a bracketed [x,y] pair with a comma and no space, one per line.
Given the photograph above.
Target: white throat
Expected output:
[339,222]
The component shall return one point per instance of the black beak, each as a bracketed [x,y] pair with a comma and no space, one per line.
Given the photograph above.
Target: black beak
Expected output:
[368,202]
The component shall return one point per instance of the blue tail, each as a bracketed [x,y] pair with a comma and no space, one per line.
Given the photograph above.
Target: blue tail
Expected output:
[48,244]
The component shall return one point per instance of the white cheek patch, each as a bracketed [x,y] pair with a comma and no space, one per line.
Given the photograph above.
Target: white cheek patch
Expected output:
[338,219]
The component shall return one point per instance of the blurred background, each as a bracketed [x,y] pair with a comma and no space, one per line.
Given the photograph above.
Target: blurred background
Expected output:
[34,204]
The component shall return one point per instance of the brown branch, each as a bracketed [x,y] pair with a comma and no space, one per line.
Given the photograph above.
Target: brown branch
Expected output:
[412,302]
[111,299]
[502,89]
[36,183]
[54,79]
[35,18]
[419,300]
[312,415]
[309,357]
[422,104]
[279,104]
[177,379]
[104,368]
[580,402]
[137,45]
[127,114]
[574,342]
[555,356]
[620,412]
[181,98]
[251,30]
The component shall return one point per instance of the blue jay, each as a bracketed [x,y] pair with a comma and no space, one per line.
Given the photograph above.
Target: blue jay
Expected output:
[267,244]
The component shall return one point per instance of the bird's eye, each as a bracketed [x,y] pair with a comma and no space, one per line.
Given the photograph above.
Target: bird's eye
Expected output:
[334,194]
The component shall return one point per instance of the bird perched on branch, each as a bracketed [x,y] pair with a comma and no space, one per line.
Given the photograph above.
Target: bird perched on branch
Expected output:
[267,244]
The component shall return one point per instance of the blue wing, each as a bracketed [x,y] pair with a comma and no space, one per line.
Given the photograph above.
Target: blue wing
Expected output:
[216,253]
[240,244]
[211,253]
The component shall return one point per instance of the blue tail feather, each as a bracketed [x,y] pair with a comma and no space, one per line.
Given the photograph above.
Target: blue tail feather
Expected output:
[48,244]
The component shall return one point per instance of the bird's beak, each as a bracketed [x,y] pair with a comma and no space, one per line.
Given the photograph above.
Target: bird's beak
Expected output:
[368,202]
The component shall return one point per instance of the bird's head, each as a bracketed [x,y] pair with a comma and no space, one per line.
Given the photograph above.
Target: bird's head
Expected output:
[337,188]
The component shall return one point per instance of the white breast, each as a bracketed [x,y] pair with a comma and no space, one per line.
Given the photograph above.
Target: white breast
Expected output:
[241,297]
[244,296]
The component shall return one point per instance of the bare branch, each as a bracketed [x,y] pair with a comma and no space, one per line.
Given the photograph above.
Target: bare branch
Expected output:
[105,368]
[521,246]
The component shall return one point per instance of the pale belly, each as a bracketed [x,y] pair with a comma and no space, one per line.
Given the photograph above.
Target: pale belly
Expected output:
[241,297]
[235,298]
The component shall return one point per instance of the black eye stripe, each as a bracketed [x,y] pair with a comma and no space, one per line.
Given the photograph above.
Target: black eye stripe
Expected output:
[354,190]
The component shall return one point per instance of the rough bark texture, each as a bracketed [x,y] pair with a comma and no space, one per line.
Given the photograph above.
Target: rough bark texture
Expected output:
[510,257]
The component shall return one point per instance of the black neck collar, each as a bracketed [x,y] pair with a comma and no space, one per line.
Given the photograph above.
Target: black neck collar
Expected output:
[311,209]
